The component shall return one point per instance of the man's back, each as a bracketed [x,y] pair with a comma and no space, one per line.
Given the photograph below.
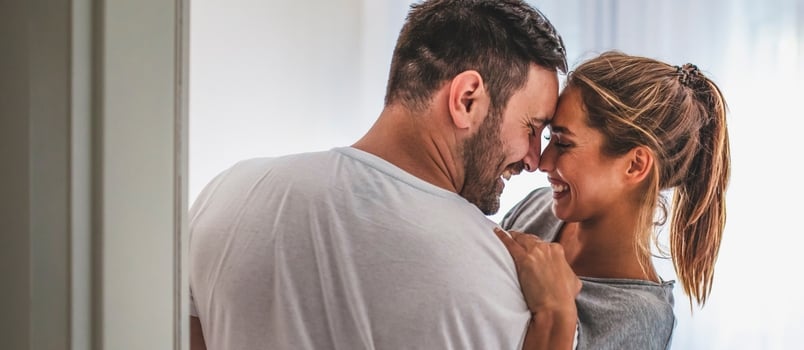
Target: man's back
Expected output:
[342,250]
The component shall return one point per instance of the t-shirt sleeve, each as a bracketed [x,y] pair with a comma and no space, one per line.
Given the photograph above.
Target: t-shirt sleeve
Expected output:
[533,214]
[625,315]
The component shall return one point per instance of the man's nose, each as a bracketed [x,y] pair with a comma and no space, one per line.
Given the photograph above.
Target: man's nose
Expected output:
[531,160]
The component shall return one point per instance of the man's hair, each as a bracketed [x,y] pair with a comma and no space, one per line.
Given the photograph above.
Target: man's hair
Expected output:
[498,39]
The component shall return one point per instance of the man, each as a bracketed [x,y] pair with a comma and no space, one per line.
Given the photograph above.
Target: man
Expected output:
[384,244]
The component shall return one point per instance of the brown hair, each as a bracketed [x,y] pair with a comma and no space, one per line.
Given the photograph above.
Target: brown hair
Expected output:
[681,116]
[442,38]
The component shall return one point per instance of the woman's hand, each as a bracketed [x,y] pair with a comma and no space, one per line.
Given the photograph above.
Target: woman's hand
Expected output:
[549,286]
[547,280]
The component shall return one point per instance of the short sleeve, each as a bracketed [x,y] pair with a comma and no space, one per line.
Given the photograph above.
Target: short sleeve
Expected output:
[534,214]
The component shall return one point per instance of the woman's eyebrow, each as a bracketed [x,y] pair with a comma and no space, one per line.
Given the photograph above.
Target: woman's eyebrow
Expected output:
[560,130]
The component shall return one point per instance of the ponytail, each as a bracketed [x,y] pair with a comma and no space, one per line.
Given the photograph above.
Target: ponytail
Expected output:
[699,206]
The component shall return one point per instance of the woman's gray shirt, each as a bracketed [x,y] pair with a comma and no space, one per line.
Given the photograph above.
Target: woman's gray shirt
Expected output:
[612,313]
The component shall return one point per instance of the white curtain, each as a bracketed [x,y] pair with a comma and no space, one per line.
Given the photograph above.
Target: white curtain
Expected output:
[270,78]
[754,51]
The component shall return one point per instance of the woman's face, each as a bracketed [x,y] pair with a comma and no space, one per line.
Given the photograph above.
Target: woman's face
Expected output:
[586,183]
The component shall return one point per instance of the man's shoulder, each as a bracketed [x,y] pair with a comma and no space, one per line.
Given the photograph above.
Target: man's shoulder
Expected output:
[286,158]
[297,164]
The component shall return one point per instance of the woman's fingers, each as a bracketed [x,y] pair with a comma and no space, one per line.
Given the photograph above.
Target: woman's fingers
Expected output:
[514,248]
[519,244]
[545,276]
[525,239]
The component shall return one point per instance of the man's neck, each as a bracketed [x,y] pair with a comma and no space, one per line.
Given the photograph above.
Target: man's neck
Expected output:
[418,144]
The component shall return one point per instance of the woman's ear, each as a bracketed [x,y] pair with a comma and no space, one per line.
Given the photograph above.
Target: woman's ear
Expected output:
[640,160]
[468,100]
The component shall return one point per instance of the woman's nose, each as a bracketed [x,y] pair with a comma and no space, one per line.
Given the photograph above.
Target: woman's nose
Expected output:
[547,160]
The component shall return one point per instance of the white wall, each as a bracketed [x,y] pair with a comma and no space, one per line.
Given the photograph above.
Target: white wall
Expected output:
[276,77]
[270,78]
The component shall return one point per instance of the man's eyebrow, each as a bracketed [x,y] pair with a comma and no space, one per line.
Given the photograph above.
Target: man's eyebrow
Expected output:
[540,120]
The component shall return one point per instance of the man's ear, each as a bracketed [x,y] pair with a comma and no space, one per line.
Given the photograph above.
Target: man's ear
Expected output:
[468,100]
[640,163]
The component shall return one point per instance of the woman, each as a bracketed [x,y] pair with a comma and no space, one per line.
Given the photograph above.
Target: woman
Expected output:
[626,129]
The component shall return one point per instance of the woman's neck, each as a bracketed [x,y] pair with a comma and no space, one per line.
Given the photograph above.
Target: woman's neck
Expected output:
[604,251]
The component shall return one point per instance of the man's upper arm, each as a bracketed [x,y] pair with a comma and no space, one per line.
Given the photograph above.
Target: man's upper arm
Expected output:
[196,335]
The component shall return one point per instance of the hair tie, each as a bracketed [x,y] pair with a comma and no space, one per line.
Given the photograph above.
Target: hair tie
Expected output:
[687,73]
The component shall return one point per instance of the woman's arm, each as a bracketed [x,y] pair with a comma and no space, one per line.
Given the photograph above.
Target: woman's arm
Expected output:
[551,330]
[549,286]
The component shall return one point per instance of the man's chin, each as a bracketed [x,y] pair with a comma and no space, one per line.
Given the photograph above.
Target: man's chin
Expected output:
[489,206]
[492,201]
[491,211]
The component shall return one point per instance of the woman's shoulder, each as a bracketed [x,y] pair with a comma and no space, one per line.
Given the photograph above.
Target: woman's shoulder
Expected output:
[629,291]
[622,313]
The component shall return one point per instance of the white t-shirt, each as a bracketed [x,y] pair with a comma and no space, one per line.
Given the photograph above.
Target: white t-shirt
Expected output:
[343,250]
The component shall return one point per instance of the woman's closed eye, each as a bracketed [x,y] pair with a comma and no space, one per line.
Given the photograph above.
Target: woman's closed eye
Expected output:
[556,140]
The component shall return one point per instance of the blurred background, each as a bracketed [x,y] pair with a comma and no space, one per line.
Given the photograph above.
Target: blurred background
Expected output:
[269,78]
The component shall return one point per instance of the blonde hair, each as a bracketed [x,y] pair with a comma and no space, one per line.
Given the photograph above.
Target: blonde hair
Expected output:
[680,115]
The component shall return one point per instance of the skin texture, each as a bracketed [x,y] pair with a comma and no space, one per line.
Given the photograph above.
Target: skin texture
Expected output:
[670,123]
[628,128]
[432,146]
[550,287]
[447,124]
[573,158]
[196,335]
[510,140]
[458,145]
[595,193]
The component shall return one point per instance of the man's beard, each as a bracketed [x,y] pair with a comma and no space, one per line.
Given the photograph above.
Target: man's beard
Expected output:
[483,156]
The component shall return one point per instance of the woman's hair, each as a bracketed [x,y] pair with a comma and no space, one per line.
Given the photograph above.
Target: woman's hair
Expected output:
[680,115]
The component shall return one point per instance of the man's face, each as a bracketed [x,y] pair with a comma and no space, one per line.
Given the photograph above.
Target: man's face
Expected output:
[508,142]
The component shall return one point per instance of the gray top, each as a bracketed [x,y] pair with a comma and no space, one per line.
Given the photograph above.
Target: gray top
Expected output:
[612,313]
